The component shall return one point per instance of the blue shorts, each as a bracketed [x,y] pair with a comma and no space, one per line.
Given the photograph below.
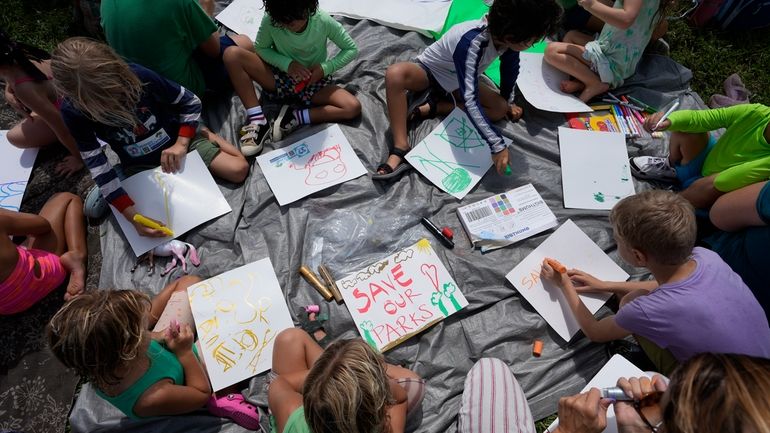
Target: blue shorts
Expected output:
[693,170]
[763,203]
[214,71]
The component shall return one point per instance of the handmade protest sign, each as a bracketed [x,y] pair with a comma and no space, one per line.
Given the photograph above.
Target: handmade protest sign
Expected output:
[540,83]
[15,168]
[237,315]
[182,201]
[454,156]
[572,247]
[403,294]
[310,165]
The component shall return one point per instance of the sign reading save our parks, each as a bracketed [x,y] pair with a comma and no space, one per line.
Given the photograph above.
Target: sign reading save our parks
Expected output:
[401,295]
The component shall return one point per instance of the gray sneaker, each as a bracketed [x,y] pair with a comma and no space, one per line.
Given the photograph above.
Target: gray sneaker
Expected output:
[284,124]
[652,168]
[253,138]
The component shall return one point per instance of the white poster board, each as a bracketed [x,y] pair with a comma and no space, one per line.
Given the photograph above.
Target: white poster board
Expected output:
[15,167]
[310,165]
[594,168]
[183,201]
[400,296]
[607,377]
[424,16]
[540,83]
[454,156]
[238,314]
[575,250]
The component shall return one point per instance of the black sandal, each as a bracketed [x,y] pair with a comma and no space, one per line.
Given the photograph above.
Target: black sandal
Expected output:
[391,173]
[311,326]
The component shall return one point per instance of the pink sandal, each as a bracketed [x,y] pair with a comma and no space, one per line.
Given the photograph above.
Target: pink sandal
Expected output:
[235,407]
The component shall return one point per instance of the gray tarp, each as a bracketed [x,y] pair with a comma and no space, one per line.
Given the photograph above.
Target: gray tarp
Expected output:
[360,221]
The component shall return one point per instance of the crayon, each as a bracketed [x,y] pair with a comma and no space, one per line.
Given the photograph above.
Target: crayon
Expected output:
[508,170]
[437,233]
[143,220]
[313,280]
[558,267]
[537,348]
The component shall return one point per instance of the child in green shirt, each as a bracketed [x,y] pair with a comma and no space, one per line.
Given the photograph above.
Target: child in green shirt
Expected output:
[292,64]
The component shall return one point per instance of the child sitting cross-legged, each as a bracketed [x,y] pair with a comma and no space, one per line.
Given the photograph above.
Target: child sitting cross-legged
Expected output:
[105,337]
[450,69]
[694,304]
[292,65]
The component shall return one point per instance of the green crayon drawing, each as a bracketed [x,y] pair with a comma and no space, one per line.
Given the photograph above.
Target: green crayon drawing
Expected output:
[367,326]
[601,198]
[435,299]
[449,292]
[459,133]
[456,178]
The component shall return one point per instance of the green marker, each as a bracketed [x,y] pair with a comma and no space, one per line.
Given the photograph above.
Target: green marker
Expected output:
[508,171]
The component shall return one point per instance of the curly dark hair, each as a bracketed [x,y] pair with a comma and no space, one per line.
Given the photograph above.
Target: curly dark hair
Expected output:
[22,55]
[285,11]
[518,21]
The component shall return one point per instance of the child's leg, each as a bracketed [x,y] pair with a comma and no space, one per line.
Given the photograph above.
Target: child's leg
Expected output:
[333,103]
[741,208]
[67,238]
[494,105]
[244,66]
[577,38]
[161,315]
[229,164]
[31,132]
[569,58]
[685,146]
[294,351]
[399,78]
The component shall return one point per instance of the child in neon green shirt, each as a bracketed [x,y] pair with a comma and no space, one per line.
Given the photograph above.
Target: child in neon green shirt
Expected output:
[292,64]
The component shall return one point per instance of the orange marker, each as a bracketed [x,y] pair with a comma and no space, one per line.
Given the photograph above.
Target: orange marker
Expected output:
[537,348]
[558,267]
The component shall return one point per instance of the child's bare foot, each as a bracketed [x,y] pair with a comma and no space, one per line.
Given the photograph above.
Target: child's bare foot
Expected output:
[75,263]
[572,86]
[593,90]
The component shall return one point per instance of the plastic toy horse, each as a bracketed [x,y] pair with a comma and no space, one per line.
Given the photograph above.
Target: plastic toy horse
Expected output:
[175,249]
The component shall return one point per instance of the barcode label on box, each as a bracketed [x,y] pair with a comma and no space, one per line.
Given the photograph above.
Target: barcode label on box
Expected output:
[478,214]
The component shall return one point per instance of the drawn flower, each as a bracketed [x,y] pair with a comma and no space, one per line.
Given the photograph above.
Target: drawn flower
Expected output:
[435,299]
[449,290]
[367,326]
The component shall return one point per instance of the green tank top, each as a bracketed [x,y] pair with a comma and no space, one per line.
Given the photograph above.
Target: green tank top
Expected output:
[163,365]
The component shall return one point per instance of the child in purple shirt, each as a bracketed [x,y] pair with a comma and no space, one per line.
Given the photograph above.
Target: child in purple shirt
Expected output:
[694,304]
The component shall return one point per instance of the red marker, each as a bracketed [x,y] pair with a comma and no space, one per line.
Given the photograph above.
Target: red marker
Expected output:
[446,231]
[301,85]
[174,327]
[558,267]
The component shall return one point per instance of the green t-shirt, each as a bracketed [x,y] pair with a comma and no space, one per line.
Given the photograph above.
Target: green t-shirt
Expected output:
[279,46]
[567,4]
[160,35]
[741,156]
[295,424]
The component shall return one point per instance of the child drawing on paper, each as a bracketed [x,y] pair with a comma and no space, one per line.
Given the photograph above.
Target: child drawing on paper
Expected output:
[142,373]
[313,386]
[55,248]
[26,72]
[325,166]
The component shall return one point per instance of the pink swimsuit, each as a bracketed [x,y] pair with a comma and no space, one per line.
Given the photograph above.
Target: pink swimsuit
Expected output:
[23,288]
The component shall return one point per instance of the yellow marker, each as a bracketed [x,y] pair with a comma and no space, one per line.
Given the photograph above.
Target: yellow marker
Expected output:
[143,220]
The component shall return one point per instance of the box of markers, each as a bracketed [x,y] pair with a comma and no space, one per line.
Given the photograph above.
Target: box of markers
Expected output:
[507,218]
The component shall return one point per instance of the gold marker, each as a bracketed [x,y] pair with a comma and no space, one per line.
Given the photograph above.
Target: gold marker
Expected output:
[327,276]
[143,220]
[313,280]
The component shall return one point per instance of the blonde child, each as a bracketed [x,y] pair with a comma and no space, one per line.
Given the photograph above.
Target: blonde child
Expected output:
[603,64]
[292,64]
[55,247]
[105,336]
[694,304]
[146,119]
[347,388]
[26,71]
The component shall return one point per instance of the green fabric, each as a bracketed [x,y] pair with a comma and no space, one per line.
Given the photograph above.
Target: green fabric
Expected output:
[566,4]
[664,361]
[207,150]
[159,35]
[741,156]
[279,46]
[163,365]
[466,10]
[295,424]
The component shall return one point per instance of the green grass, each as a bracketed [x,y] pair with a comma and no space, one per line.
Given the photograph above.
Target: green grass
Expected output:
[42,23]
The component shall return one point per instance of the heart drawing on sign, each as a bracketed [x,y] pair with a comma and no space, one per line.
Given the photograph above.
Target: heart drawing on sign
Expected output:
[431,272]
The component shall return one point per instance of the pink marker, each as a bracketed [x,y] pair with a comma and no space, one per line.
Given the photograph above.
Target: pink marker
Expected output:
[174,327]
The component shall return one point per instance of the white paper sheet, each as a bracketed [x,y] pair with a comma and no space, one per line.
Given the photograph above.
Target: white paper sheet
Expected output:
[453,156]
[310,165]
[182,201]
[400,296]
[594,168]
[574,249]
[607,377]
[15,167]
[238,314]
[540,84]
[424,16]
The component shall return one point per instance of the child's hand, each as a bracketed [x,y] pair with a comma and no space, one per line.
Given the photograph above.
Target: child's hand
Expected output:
[587,282]
[652,120]
[514,112]
[500,159]
[586,4]
[69,165]
[181,341]
[129,213]
[316,74]
[171,158]
[557,278]
[298,72]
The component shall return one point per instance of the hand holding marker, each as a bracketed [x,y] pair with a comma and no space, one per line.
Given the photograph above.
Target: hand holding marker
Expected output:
[665,116]
[143,220]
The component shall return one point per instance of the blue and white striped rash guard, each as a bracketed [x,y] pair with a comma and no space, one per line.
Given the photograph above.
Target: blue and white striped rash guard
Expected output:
[165,110]
[456,61]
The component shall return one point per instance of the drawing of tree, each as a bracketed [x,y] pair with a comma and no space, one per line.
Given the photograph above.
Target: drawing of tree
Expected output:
[435,299]
[449,292]
[367,326]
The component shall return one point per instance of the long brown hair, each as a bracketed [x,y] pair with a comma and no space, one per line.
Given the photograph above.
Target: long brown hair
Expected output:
[98,333]
[719,394]
[347,390]
[96,81]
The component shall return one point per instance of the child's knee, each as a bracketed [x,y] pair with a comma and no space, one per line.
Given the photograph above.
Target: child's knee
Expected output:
[552,51]
[291,337]
[497,109]
[64,198]
[352,108]
[240,170]
[395,75]
[16,137]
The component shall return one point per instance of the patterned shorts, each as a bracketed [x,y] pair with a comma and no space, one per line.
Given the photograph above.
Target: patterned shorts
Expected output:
[285,88]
